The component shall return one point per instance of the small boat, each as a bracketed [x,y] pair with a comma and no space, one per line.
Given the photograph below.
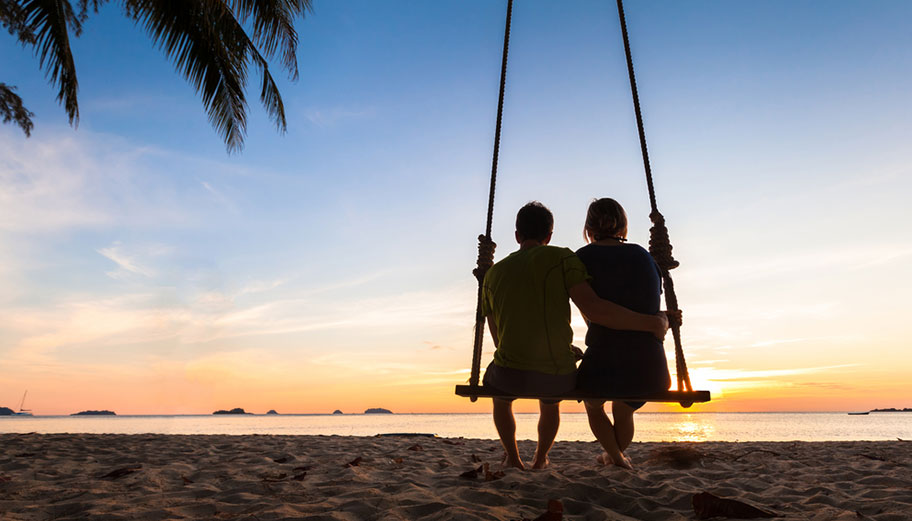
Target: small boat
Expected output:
[23,412]
[859,413]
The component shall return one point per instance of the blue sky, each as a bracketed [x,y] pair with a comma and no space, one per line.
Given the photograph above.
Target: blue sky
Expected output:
[134,248]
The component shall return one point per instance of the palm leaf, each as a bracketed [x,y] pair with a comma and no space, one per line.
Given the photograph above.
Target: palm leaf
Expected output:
[209,46]
[12,18]
[200,38]
[273,26]
[48,21]
[11,109]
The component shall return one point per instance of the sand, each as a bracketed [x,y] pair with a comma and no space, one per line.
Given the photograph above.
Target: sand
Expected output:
[157,477]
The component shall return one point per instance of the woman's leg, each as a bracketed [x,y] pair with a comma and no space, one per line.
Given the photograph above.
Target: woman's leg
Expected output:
[604,433]
[623,424]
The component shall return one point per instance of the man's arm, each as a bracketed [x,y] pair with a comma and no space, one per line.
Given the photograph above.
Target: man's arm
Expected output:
[611,315]
[492,327]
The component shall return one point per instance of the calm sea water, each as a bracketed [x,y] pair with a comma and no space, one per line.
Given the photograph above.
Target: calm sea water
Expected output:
[574,427]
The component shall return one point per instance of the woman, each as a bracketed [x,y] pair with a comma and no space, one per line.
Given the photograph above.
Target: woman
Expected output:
[619,363]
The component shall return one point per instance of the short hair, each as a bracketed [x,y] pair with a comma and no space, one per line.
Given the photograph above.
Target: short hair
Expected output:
[605,219]
[534,221]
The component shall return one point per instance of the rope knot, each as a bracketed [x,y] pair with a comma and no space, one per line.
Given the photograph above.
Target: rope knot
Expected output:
[660,244]
[485,257]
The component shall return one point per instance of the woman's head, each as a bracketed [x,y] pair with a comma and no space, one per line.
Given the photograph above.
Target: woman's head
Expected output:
[605,219]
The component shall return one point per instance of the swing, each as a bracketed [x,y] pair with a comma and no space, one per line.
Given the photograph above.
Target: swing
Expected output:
[659,247]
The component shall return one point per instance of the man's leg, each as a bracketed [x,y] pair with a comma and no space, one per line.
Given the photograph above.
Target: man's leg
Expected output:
[548,422]
[506,429]
[604,433]
[623,424]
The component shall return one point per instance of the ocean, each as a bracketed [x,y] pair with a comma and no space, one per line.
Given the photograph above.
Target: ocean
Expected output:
[574,427]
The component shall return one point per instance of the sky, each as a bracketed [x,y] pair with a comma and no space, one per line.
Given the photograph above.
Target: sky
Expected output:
[145,270]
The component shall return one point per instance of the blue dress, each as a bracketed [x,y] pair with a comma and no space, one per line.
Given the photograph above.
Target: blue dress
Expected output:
[623,363]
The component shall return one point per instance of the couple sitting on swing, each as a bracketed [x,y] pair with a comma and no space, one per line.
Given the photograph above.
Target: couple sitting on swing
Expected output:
[617,288]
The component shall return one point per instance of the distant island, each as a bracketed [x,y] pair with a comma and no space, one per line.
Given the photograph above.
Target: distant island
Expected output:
[337,411]
[271,411]
[378,410]
[236,410]
[94,413]
[892,409]
[5,411]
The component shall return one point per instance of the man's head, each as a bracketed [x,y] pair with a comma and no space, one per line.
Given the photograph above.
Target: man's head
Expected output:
[534,222]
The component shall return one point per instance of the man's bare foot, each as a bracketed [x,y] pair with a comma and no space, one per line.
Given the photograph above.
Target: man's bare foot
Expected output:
[604,459]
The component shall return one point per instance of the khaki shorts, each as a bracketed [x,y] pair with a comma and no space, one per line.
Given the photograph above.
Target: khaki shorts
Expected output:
[528,383]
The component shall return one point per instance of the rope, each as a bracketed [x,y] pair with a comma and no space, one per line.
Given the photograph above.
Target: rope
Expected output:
[485,244]
[659,243]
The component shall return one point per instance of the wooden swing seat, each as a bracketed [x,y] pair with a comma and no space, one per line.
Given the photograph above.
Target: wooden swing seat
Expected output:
[682,397]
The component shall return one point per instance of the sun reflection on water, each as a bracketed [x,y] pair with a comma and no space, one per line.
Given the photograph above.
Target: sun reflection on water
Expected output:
[689,428]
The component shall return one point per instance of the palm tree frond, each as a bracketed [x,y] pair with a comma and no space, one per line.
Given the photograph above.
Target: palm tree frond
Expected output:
[271,97]
[202,40]
[11,109]
[13,19]
[49,21]
[273,26]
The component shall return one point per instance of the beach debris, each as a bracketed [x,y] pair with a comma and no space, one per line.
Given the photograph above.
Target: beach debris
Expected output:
[451,442]
[416,448]
[283,459]
[299,477]
[869,456]
[355,462]
[555,512]
[677,457]
[443,463]
[483,470]
[274,477]
[754,451]
[186,480]
[121,472]
[407,435]
[491,476]
[26,455]
[475,458]
[472,474]
[5,479]
[707,505]
[303,468]
[396,461]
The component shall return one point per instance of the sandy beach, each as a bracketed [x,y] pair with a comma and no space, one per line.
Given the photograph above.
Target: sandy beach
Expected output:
[154,477]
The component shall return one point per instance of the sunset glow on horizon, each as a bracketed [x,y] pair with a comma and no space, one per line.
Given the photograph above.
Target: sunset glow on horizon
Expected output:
[145,271]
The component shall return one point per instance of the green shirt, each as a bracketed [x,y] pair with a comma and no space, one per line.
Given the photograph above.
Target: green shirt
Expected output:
[527,294]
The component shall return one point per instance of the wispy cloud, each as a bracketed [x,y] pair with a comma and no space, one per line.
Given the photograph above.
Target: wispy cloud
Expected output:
[126,262]
[125,103]
[776,266]
[218,196]
[328,117]
[738,375]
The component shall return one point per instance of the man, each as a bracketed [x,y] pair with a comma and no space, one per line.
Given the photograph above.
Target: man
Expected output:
[526,301]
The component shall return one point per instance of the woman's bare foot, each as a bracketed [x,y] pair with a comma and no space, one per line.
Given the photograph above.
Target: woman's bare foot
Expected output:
[605,459]
[511,463]
[538,463]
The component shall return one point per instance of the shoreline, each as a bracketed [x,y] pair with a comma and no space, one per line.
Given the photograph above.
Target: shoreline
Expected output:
[258,414]
[156,476]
